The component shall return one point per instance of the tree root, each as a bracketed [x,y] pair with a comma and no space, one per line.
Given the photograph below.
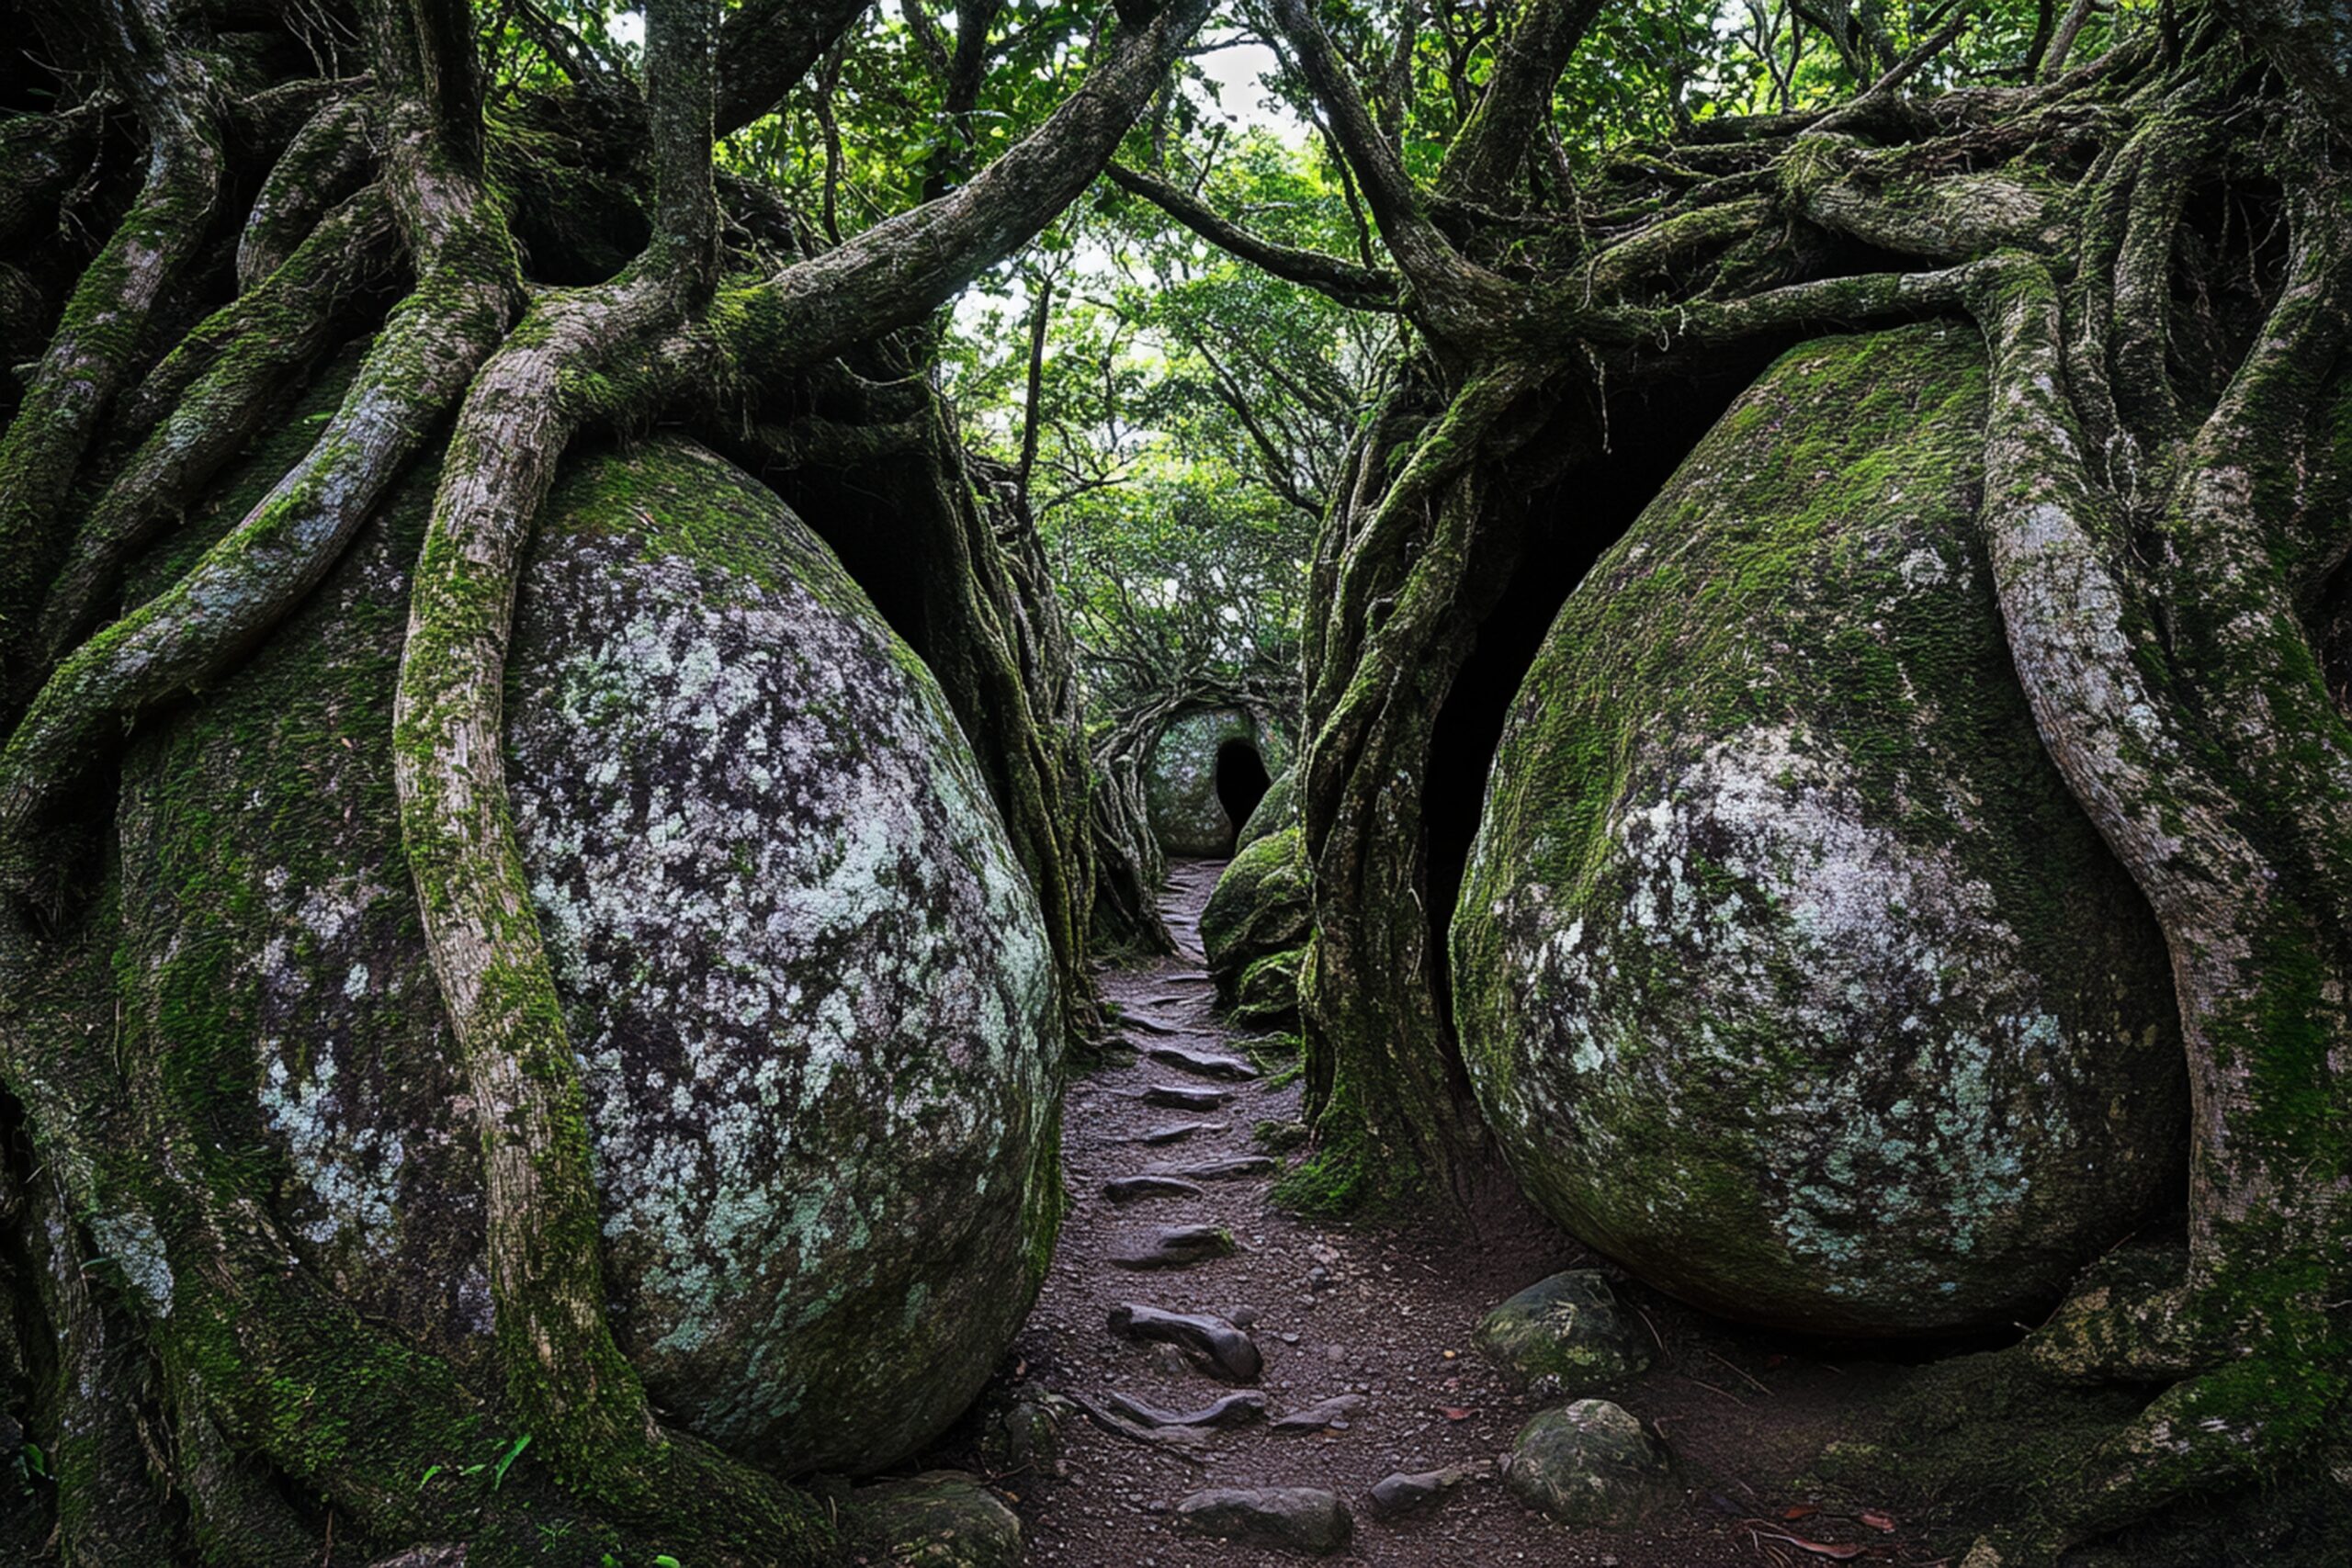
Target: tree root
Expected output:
[266,338]
[92,352]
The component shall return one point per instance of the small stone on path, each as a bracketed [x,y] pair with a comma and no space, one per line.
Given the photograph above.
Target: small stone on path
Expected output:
[1207,1063]
[1172,1131]
[1183,1097]
[1127,1189]
[1232,1168]
[1334,1411]
[1174,1246]
[1301,1518]
[1402,1494]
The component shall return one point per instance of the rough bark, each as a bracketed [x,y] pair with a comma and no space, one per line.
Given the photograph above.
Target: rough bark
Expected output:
[2153,519]
[212,1399]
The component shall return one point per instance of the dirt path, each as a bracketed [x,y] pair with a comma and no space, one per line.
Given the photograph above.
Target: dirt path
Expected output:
[1382,1313]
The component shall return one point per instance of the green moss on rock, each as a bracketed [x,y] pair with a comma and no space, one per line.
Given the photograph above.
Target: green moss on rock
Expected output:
[1788,972]
[1259,907]
[1276,809]
[1590,1464]
[1267,993]
[1564,1337]
[806,976]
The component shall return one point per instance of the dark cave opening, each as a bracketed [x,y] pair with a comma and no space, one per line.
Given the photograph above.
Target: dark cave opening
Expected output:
[1568,528]
[1240,776]
[880,523]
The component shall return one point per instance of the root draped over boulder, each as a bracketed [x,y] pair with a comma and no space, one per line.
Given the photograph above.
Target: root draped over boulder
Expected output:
[469,997]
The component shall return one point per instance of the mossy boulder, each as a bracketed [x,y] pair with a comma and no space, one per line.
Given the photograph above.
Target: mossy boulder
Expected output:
[1787,971]
[1563,1336]
[1591,1464]
[1277,809]
[1267,993]
[942,1518]
[1181,777]
[1258,906]
[808,984]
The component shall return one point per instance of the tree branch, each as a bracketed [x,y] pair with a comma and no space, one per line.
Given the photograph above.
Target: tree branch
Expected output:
[765,47]
[904,267]
[1488,152]
[1360,288]
[1462,302]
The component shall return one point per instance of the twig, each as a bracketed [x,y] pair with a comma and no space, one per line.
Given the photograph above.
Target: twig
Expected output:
[1752,1382]
[1711,1388]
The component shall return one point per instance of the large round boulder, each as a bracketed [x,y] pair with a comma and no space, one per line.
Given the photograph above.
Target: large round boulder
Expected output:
[807,982]
[1258,906]
[1207,773]
[1787,971]
[1276,810]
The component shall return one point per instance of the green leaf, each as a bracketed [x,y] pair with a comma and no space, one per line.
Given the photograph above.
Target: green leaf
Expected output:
[512,1455]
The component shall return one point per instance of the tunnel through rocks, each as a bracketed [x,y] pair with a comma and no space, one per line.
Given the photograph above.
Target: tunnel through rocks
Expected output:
[1204,775]
[1240,776]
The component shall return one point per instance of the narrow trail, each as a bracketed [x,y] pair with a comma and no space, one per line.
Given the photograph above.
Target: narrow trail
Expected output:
[1377,1318]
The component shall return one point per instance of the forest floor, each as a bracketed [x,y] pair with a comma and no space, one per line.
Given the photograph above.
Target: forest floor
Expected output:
[1385,1313]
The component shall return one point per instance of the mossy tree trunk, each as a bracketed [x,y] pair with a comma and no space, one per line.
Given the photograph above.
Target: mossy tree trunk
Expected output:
[2166,482]
[300,178]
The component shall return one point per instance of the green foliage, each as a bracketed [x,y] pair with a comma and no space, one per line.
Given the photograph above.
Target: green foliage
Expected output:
[1190,417]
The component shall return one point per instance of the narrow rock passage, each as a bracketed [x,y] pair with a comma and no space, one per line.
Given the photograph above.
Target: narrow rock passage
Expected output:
[1255,1351]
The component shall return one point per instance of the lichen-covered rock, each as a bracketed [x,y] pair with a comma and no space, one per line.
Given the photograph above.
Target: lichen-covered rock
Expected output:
[1277,809]
[1180,778]
[1787,971]
[1257,906]
[1591,1463]
[1564,1337]
[942,1518]
[807,981]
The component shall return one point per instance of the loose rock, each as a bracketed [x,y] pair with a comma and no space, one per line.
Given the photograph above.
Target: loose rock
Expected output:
[942,1518]
[1591,1463]
[1176,1132]
[1299,1519]
[1326,1413]
[1172,1246]
[1564,1337]
[1221,1347]
[1183,1097]
[1207,1063]
[1402,1494]
[1128,1188]
[1232,1168]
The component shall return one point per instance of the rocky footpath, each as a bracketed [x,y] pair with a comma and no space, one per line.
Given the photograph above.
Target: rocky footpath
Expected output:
[1207,1381]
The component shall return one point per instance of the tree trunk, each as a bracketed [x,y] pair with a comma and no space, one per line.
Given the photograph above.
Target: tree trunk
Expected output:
[2162,513]
[198,1392]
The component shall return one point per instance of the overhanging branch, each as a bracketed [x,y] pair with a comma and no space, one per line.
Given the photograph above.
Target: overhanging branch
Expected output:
[1357,286]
